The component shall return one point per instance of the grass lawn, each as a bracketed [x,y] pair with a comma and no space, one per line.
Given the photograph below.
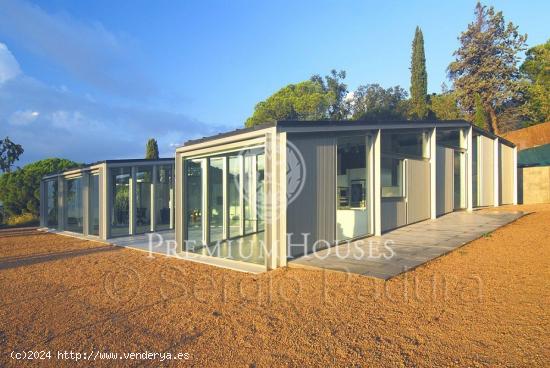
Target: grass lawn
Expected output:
[485,304]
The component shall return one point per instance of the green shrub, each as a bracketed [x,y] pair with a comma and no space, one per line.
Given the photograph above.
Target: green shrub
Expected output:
[25,219]
[20,189]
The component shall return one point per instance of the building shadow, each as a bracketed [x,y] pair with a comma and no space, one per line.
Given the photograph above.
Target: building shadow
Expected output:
[13,262]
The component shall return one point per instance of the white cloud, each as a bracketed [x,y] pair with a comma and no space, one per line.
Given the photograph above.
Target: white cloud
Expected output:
[23,118]
[87,50]
[9,67]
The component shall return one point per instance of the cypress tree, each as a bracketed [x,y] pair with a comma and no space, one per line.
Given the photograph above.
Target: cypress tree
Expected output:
[152,150]
[419,78]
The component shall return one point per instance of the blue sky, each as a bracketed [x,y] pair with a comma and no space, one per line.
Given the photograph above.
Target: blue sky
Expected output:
[92,80]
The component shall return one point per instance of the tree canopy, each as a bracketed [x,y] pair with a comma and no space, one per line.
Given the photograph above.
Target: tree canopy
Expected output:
[486,63]
[419,78]
[20,189]
[374,102]
[314,99]
[152,150]
[536,69]
[9,153]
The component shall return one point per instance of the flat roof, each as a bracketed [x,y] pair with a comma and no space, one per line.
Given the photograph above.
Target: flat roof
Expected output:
[347,123]
[118,161]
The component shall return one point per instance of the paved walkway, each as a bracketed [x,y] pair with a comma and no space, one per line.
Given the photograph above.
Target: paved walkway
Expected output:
[410,246]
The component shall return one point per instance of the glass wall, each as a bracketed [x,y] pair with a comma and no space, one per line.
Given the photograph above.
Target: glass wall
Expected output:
[51,203]
[232,229]
[73,206]
[260,193]
[392,178]
[249,194]
[144,180]
[194,203]
[93,193]
[215,198]
[406,143]
[352,214]
[120,200]
[162,196]
[234,196]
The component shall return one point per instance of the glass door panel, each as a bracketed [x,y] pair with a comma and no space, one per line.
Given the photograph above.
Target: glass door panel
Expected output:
[215,195]
[194,203]
[93,222]
[234,196]
[144,179]
[352,189]
[120,201]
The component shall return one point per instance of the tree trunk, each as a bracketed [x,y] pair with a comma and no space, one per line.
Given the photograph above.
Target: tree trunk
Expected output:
[493,118]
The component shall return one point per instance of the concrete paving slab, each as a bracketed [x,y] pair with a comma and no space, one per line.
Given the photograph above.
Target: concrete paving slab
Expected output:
[412,245]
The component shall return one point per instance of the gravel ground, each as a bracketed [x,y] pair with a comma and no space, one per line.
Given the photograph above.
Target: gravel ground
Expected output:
[485,304]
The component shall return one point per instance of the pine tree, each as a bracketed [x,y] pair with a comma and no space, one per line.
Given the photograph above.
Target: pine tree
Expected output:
[486,64]
[419,78]
[152,150]
[480,117]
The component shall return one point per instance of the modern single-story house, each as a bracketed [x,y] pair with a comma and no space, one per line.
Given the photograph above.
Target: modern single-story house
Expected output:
[255,198]
[109,199]
[260,196]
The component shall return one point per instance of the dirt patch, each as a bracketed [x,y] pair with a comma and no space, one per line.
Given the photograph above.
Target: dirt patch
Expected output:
[485,304]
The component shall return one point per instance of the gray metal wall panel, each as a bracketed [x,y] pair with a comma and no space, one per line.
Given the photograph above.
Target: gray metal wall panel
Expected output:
[444,180]
[394,213]
[313,211]
[418,190]
[506,174]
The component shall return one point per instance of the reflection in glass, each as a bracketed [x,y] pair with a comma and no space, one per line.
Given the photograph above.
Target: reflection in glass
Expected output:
[93,192]
[391,177]
[120,201]
[73,207]
[408,143]
[144,179]
[234,195]
[249,195]
[215,193]
[193,203]
[260,200]
[351,192]
[162,194]
[51,203]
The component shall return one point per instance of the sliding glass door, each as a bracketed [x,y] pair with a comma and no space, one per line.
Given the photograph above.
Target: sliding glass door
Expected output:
[93,190]
[194,201]
[73,207]
[229,189]
[216,196]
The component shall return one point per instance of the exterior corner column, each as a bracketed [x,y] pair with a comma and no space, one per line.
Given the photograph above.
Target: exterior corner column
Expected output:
[282,198]
[272,245]
[496,170]
[433,173]
[377,205]
[469,170]
[515,175]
